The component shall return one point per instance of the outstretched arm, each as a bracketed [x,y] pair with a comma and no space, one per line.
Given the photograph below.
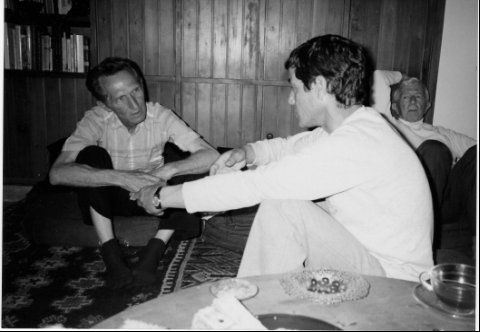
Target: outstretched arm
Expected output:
[201,158]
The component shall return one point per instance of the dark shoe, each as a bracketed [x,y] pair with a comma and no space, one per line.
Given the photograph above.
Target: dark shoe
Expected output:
[118,273]
[150,256]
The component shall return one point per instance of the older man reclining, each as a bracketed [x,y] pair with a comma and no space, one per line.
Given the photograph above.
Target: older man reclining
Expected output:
[449,158]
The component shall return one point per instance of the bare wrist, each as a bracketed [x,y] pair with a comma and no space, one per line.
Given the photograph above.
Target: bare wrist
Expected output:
[249,154]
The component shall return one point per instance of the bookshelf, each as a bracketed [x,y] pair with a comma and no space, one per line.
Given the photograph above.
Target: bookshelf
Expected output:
[46,36]
[42,102]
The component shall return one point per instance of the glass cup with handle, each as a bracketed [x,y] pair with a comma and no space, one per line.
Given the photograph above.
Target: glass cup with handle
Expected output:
[454,285]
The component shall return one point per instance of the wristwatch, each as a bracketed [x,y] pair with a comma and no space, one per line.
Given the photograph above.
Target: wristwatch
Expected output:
[156,199]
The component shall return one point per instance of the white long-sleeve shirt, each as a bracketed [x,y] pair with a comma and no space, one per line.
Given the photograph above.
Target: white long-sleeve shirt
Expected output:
[373,183]
[416,132]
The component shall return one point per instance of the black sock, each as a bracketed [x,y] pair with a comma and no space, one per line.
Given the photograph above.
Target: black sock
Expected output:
[149,258]
[118,273]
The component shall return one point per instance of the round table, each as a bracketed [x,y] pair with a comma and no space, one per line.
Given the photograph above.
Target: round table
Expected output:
[390,305]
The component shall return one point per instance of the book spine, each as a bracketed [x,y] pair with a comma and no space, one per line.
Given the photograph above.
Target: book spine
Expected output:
[17,44]
[86,54]
[11,42]
[6,49]
[80,54]
[29,48]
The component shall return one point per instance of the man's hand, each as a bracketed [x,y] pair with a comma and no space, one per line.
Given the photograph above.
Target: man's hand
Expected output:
[230,161]
[164,172]
[144,198]
[133,181]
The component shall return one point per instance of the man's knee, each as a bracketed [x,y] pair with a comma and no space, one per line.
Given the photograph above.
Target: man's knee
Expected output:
[95,156]
[468,163]
[433,152]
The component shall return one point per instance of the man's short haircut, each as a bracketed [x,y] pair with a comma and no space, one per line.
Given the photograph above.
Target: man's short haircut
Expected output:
[397,91]
[108,67]
[342,62]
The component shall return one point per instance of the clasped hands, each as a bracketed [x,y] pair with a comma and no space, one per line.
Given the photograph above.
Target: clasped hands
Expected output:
[230,161]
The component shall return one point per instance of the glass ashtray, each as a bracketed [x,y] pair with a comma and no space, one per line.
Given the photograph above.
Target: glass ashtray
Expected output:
[326,286]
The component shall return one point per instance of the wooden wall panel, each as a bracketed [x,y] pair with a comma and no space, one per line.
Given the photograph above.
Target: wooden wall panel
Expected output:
[189,38]
[251,42]
[205,34]
[250,113]
[189,104]
[235,33]
[167,94]
[136,31]
[234,43]
[103,29]
[233,115]
[270,111]
[387,32]
[34,120]
[152,49]
[218,110]
[272,37]
[16,130]
[365,24]
[53,107]
[120,24]
[304,20]
[38,139]
[220,36]
[417,38]
[203,110]
[166,12]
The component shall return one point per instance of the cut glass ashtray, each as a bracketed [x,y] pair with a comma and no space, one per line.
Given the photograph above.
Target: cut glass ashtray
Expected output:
[325,286]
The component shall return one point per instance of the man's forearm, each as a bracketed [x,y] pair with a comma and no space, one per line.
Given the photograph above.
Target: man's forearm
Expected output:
[198,162]
[79,175]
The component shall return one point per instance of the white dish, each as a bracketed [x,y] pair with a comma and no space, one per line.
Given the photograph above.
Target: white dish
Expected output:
[241,289]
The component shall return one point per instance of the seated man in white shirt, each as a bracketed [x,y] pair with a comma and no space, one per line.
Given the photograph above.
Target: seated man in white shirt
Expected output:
[349,195]
[117,149]
[449,158]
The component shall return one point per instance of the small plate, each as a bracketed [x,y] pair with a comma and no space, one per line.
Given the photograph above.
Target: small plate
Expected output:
[354,286]
[294,322]
[241,289]
[431,301]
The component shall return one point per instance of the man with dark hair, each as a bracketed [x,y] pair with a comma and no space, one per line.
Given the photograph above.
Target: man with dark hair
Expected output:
[117,149]
[449,158]
[348,195]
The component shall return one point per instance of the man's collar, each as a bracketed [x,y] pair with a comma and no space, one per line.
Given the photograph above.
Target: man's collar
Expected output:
[412,124]
[115,123]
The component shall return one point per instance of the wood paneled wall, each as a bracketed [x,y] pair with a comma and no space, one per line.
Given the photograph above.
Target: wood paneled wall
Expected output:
[38,110]
[219,63]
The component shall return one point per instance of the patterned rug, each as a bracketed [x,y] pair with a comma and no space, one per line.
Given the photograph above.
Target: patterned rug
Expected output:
[44,285]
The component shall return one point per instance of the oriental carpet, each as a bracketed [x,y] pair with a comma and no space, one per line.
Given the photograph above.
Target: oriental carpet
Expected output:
[47,285]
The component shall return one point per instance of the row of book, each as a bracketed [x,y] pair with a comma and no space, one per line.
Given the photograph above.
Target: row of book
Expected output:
[45,6]
[45,48]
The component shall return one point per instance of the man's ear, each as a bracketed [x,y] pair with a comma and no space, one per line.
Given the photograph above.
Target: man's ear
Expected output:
[320,86]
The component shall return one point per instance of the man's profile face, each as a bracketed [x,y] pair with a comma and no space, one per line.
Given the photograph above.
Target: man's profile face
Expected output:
[304,102]
[413,103]
[125,97]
